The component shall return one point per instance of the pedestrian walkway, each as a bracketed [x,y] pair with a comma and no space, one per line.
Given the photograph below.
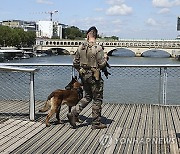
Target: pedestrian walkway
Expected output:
[132,128]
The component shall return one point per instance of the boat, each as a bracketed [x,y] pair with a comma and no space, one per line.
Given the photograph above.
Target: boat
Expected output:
[11,53]
[25,56]
[40,54]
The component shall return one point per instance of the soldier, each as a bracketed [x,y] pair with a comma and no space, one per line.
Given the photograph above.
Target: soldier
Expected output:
[88,61]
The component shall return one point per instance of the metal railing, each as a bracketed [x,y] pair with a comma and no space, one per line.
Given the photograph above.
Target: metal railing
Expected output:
[151,84]
[31,86]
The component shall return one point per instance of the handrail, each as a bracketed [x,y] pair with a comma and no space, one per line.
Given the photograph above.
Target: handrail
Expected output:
[70,64]
[20,69]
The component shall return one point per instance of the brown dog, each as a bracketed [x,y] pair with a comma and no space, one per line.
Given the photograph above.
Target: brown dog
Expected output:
[59,97]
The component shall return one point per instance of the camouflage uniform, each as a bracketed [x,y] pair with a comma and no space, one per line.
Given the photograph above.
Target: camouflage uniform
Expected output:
[89,60]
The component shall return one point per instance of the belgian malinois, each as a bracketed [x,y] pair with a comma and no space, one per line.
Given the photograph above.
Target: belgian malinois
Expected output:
[69,96]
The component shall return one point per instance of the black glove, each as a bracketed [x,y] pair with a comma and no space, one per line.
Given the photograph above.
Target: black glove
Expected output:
[106,73]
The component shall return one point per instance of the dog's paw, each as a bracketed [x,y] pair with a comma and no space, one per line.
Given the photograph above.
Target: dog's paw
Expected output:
[59,122]
[48,125]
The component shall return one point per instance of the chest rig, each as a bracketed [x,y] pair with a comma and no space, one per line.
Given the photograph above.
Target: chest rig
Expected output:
[88,61]
[88,53]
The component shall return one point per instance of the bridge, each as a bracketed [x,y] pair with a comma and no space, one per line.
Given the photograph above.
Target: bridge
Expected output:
[137,46]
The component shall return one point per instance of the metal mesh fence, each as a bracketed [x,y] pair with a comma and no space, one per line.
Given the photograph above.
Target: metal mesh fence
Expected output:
[14,85]
[50,78]
[142,85]
[14,94]
[126,84]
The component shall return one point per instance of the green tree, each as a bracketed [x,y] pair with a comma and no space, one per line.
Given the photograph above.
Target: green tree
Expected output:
[73,33]
[112,38]
[5,35]
[16,37]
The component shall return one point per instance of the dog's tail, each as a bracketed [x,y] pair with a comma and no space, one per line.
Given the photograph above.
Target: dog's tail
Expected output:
[47,104]
[46,107]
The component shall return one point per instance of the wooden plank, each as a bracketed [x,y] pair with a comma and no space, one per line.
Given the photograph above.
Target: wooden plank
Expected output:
[176,118]
[111,134]
[122,121]
[146,149]
[131,137]
[39,139]
[164,130]
[171,132]
[130,121]
[96,144]
[139,127]
[156,132]
[9,128]
[62,137]
[22,132]
[11,135]
[126,129]
[90,138]
[4,124]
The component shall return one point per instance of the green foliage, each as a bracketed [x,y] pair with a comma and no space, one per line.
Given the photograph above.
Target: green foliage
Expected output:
[112,38]
[74,33]
[16,37]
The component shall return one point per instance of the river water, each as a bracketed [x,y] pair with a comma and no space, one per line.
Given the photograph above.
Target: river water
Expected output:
[129,85]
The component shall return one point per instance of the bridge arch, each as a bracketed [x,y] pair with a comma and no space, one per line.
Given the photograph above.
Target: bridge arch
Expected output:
[155,53]
[121,52]
[58,51]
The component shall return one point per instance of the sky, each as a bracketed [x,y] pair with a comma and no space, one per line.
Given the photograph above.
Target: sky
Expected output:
[126,19]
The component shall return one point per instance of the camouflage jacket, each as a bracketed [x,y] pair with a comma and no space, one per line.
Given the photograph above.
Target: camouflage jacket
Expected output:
[91,55]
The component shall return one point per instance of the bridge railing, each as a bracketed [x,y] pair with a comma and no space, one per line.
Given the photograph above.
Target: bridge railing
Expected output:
[10,81]
[131,84]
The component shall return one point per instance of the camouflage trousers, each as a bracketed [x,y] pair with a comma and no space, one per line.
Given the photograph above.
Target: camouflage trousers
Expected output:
[93,92]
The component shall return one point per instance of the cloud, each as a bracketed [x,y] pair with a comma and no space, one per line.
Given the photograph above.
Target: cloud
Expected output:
[122,9]
[117,21]
[85,23]
[115,2]
[44,1]
[99,9]
[164,11]
[151,22]
[165,3]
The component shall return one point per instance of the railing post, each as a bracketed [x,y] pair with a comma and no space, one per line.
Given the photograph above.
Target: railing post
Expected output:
[164,85]
[159,98]
[32,98]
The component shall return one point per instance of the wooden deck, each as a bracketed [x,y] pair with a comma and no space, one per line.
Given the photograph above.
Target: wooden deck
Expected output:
[132,128]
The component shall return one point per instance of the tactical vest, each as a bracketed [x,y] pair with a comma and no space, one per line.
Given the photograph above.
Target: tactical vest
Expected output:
[88,55]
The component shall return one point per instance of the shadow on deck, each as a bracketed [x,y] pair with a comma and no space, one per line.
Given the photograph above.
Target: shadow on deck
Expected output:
[132,128]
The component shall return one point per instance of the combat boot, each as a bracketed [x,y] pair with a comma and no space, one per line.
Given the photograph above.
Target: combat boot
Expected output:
[72,119]
[98,126]
[77,119]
